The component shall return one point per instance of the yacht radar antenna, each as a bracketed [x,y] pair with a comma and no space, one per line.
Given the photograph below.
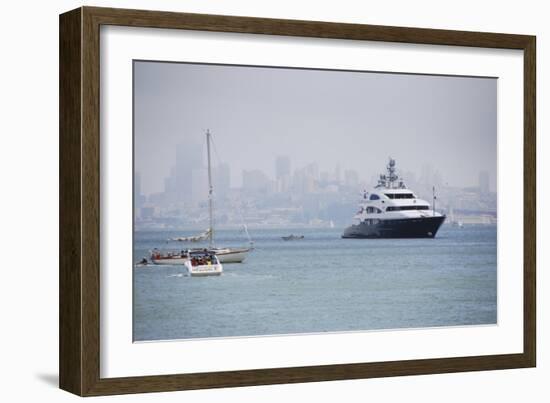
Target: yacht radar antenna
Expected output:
[392,176]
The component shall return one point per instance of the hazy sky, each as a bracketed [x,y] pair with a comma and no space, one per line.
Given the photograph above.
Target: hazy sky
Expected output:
[356,119]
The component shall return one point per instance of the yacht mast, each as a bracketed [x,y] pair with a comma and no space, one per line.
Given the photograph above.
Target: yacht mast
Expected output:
[210,190]
[433,190]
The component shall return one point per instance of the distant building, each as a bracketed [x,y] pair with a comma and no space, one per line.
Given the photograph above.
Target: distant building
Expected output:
[147,212]
[310,184]
[312,171]
[351,178]
[181,185]
[337,174]
[306,180]
[484,182]
[199,182]
[324,178]
[283,184]
[139,198]
[222,179]
[255,181]
[282,167]
[282,173]
[137,185]
[157,199]
[298,179]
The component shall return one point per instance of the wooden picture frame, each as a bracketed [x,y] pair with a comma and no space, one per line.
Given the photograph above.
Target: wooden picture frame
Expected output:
[79,201]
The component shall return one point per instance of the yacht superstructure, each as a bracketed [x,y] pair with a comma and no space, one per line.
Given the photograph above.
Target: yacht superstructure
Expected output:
[391,210]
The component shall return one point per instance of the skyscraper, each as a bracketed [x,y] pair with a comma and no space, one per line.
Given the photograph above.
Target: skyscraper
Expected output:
[222,179]
[484,182]
[351,178]
[282,173]
[184,184]
[199,182]
[137,188]
[337,174]
[255,181]
[282,167]
[312,171]
[139,199]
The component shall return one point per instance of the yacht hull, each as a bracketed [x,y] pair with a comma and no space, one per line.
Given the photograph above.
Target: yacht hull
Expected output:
[419,227]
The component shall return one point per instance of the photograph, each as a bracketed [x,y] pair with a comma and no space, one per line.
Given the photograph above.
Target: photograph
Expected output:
[270,201]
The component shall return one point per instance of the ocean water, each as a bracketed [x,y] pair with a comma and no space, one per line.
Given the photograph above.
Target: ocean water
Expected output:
[320,284]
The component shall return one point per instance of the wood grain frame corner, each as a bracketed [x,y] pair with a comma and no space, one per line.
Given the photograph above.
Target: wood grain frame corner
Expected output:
[79,349]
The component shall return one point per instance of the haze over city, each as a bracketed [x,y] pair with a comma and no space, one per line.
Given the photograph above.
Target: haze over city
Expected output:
[351,121]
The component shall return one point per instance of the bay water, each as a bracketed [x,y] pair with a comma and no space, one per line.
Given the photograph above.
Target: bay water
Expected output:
[321,283]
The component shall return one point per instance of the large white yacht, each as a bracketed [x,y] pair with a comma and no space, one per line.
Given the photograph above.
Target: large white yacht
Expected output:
[390,210]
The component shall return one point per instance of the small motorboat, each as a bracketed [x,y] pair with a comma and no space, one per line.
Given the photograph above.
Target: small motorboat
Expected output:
[292,237]
[203,263]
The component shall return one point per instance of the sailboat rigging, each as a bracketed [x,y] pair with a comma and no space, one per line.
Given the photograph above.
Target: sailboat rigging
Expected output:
[224,254]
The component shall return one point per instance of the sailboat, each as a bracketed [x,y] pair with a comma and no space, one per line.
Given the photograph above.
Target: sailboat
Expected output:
[224,254]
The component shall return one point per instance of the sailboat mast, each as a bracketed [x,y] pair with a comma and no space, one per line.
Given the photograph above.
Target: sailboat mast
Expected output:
[210,191]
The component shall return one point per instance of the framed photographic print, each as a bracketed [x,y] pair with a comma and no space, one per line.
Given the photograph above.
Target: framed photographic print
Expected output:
[250,201]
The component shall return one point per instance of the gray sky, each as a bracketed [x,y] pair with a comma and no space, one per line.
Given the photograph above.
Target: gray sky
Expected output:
[356,119]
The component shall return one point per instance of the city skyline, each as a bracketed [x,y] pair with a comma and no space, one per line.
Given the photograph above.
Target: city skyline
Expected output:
[194,172]
[299,196]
